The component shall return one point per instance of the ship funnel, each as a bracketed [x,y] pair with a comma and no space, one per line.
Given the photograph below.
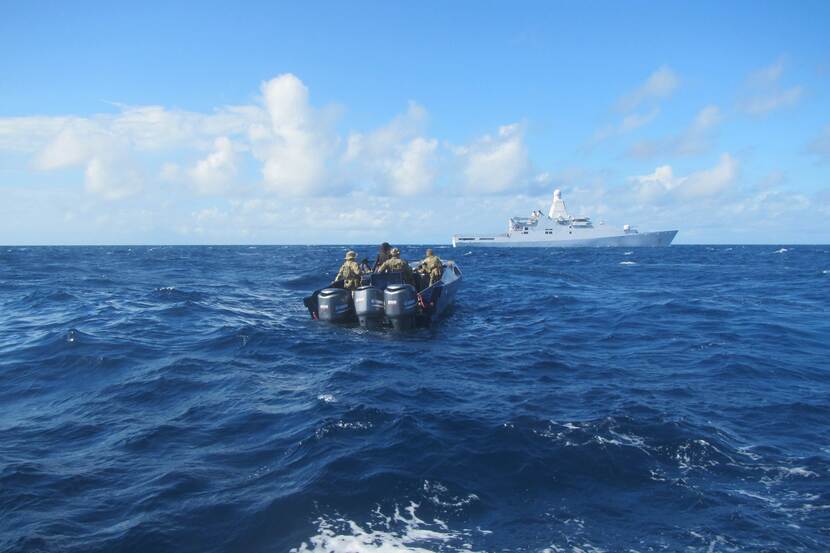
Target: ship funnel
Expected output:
[557,207]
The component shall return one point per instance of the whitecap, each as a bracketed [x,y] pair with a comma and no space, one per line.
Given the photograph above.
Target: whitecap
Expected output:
[628,253]
[782,250]
[797,471]
[469,253]
[401,533]
[439,495]
[628,262]
[326,398]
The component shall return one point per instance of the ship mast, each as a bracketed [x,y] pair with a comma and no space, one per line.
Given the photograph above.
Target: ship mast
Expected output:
[557,207]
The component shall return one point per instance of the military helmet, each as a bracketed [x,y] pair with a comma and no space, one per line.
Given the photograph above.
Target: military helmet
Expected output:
[351,255]
[396,251]
[385,246]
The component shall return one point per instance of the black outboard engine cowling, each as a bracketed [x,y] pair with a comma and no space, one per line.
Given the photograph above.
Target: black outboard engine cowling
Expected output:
[400,304]
[335,305]
[368,306]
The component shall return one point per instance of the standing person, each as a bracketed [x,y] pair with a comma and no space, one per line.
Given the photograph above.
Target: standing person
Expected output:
[384,255]
[432,266]
[395,263]
[349,272]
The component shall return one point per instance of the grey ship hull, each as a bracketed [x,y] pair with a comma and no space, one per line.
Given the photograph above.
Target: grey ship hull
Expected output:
[632,240]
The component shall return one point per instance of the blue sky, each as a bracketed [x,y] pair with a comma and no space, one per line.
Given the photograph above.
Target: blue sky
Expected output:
[349,123]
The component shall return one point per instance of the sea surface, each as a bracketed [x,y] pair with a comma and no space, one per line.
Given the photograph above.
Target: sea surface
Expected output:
[179,399]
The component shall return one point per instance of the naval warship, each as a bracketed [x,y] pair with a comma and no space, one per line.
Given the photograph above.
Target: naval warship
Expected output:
[557,229]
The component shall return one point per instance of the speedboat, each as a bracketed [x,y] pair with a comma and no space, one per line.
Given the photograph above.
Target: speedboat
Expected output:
[385,300]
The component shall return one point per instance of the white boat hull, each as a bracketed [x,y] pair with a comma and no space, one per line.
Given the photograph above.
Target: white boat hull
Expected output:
[628,240]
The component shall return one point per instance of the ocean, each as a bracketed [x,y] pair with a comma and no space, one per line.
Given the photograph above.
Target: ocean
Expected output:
[180,399]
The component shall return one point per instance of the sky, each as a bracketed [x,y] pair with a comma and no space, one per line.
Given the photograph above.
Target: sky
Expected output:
[359,122]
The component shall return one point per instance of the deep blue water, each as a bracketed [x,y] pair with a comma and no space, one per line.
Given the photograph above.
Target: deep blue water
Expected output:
[179,399]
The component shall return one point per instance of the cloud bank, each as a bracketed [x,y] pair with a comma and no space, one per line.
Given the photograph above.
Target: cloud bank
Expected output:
[296,146]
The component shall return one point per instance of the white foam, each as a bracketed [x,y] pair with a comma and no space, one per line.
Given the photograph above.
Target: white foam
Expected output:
[782,250]
[342,425]
[326,398]
[439,495]
[628,253]
[400,533]
[797,471]
[628,262]
[469,253]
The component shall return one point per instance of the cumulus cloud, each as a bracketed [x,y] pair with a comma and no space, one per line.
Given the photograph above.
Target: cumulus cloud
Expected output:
[298,150]
[294,146]
[112,179]
[212,174]
[662,184]
[693,140]
[397,158]
[497,163]
[765,92]
[412,173]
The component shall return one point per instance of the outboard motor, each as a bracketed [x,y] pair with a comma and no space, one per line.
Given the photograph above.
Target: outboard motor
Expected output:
[368,306]
[334,305]
[399,303]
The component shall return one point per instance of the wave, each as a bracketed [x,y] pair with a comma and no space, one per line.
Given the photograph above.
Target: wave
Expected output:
[169,398]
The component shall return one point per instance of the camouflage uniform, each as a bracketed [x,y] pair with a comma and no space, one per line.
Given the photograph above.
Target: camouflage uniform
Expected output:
[349,272]
[432,266]
[397,264]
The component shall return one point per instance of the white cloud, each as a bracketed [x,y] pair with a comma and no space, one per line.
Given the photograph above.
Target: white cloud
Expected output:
[494,164]
[659,85]
[636,120]
[170,172]
[294,148]
[212,174]
[768,75]
[662,184]
[765,93]
[396,158]
[299,152]
[695,139]
[629,123]
[111,178]
[412,174]
[761,105]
